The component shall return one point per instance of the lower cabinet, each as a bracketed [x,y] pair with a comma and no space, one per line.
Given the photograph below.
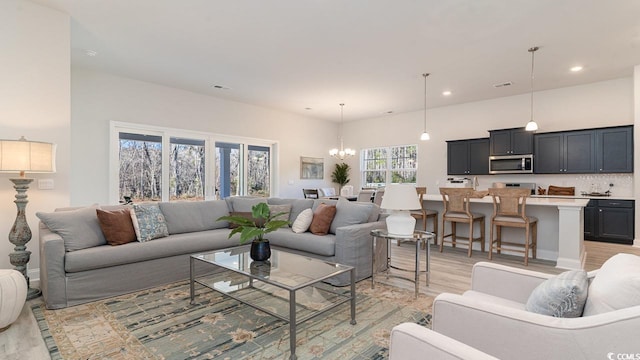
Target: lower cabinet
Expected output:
[609,221]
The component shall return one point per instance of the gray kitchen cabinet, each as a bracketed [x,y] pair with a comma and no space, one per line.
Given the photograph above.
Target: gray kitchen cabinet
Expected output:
[468,157]
[614,150]
[511,142]
[570,152]
[609,221]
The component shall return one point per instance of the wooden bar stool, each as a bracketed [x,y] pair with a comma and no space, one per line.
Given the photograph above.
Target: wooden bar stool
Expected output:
[509,210]
[425,214]
[456,210]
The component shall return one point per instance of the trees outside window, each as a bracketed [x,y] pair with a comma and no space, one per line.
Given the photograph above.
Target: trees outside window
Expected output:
[387,165]
[159,164]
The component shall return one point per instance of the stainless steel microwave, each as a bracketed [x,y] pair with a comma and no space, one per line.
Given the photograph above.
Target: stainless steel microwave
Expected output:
[511,164]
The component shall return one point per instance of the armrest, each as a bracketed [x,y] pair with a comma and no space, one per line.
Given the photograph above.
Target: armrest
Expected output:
[488,327]
[412,342]
[504,281]
[353,247]
[52,273]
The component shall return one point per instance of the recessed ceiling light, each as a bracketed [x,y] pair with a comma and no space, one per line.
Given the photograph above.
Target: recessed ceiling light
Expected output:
[446,93]
[90,52]
[307,108]
[576,68]
[387,112]
[220,87]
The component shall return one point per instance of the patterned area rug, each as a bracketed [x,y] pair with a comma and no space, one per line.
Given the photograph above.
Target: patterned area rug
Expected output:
[160,323]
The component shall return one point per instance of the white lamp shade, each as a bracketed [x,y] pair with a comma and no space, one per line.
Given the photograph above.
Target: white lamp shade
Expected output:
[400,197]
[28,156]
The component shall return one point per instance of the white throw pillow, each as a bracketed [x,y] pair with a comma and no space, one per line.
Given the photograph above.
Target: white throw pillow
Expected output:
[615,286]
[303,221]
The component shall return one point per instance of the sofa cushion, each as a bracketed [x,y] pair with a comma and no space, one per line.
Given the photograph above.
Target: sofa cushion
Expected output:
[560,296]
[190,216]
[78,228]
[615,286]
[307,242]
[350,213]
[302,222]
[149,222]
[297,206]
[322,218]
[244,204]
[179,244]
[496,300]
[116,226]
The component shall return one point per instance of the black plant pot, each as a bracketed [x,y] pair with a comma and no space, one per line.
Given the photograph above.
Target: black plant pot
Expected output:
[260,250]
[260,268]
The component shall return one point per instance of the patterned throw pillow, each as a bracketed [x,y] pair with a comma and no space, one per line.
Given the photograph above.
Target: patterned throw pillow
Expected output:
[303,221]
[560,296]
[277,209]
[148,222]
[322,218]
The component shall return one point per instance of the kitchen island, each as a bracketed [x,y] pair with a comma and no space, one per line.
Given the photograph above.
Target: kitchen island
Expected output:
[560,226]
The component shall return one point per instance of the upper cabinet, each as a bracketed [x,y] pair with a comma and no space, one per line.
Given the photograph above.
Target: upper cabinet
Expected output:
[468,157]
[565,152]
[511,142]
[607,150]
[614,150]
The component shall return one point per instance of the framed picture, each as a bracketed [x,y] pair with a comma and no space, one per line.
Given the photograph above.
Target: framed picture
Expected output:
[311,168]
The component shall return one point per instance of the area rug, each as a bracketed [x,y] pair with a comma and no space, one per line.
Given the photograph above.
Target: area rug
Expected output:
[160,323]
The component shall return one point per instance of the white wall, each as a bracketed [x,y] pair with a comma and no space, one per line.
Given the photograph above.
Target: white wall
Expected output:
[636,158]
[99,98]
[606,103]
[34,102]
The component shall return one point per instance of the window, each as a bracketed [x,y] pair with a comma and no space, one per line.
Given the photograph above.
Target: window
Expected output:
[386,165]
[159,164]
[186,169]
[140,159]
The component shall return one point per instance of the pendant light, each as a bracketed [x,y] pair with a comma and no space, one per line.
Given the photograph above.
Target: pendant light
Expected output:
[342,153]
[425,134]
[531,125]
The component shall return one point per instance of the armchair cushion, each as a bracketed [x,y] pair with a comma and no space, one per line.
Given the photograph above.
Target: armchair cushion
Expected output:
[615,286]
[560,296]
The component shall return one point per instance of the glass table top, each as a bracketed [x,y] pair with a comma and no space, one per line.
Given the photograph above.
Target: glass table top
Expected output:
[283,269]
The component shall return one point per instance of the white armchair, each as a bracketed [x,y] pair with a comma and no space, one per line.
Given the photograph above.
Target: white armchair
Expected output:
[326,192]
[492,319]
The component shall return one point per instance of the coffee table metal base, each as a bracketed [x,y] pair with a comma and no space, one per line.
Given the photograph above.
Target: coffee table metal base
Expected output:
[293,318]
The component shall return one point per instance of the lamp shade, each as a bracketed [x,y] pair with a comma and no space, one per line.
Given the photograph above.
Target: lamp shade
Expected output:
[400,197]
[27,156]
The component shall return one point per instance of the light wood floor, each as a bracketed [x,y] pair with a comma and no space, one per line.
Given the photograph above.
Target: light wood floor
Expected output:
[450,272]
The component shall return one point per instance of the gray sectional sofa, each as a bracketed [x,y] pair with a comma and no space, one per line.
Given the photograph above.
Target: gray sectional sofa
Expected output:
[73,272]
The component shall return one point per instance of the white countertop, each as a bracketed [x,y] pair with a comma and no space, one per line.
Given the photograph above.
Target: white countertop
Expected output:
[612,197]
[533,201]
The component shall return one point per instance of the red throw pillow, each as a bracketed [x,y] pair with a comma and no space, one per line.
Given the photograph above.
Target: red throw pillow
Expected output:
[116,226]
[322,218]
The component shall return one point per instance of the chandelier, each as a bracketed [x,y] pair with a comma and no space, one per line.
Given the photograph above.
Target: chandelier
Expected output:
[341,153]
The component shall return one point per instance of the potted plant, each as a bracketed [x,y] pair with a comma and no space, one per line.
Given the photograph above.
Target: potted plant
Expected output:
[340,175]
[254,229]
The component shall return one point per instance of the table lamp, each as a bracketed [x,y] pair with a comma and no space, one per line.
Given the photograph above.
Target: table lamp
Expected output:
[400,199]
[24,156]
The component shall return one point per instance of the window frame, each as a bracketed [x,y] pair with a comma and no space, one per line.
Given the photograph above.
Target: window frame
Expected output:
[388,169]
[166,133]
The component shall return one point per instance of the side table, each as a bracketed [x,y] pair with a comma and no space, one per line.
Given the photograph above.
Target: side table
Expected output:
[419,238]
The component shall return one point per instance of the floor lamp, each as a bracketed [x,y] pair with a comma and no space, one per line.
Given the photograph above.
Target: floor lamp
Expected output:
[24,156]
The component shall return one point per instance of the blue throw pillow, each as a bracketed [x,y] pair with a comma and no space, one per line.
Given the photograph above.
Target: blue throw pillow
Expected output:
[560,296]
[149,222]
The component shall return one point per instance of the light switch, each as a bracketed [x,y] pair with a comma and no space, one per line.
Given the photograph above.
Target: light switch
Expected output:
[45,184]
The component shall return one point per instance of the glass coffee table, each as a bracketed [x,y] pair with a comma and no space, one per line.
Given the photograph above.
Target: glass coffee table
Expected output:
[288,286]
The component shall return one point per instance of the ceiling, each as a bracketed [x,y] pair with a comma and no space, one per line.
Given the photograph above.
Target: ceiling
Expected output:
[297,54]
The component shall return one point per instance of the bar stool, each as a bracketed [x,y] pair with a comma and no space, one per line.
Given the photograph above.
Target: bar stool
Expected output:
[426,214]
[509,210]
[456,210]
